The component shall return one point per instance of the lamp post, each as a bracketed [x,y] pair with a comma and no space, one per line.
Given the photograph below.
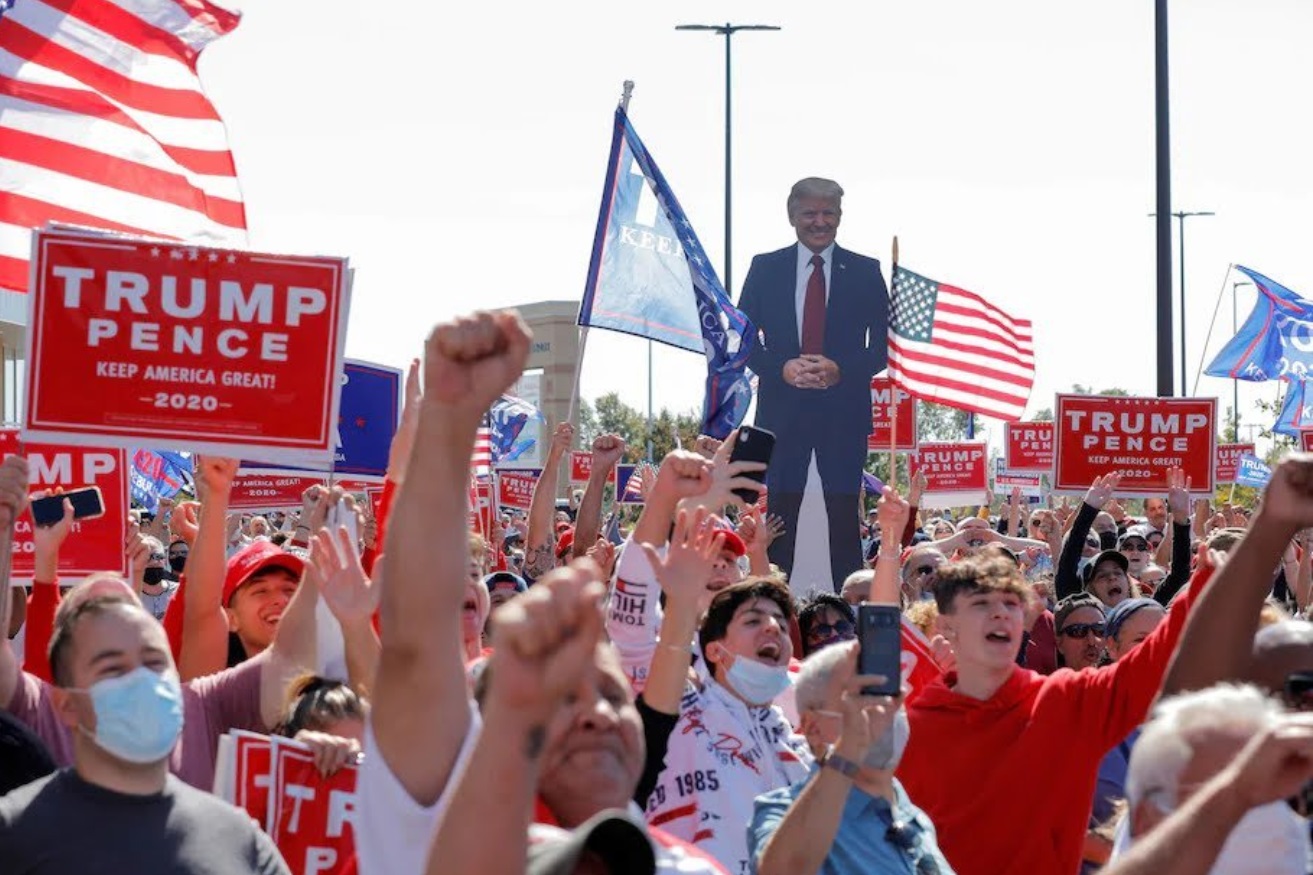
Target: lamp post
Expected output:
[1163,201]
[1181,217]
[727,30]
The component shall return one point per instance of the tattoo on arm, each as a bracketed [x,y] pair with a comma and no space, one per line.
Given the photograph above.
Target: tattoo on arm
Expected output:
[533,745]
[539,560]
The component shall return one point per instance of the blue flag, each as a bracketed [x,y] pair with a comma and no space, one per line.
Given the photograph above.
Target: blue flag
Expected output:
[1296,411]
[1276,340]
[874,485]
[158,474]
[1252,472]
[649,276]
[507,419]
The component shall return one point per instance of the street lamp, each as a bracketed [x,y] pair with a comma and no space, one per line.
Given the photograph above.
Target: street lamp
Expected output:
[727,30]
[1181,217]
[1235,384]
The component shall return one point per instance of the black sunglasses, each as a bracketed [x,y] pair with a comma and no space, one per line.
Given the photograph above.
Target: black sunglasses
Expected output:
[1082,630]
[902,837]
[925,569]
[1135,545]
[825,630]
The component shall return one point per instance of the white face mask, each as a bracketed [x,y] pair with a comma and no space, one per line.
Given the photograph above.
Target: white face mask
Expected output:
[1269,840]
[757,682]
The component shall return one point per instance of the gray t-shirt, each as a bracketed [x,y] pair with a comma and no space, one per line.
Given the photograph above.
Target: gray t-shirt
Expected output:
[62,824]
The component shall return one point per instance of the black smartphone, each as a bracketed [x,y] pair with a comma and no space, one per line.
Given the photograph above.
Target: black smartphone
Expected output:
[87,505]
[880,636]
[753,445]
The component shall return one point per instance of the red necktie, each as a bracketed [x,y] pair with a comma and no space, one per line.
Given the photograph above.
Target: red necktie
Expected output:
[813,310]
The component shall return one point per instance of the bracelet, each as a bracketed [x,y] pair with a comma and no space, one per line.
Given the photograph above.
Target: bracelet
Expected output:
[842,765]
[686,649]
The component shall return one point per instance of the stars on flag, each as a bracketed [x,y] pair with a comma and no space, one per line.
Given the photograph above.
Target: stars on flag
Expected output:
[914,306]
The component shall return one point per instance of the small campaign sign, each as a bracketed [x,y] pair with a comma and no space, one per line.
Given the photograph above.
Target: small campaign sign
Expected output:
[1028,446]
[1139,438]
[886,400]
[1005,479]
[515,487]
[137,342]
[1228,461]
[1306,439]
[581,466]
[94,544]
[957,474]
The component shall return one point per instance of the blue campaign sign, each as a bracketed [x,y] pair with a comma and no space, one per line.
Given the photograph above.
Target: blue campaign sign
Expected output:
[368,413]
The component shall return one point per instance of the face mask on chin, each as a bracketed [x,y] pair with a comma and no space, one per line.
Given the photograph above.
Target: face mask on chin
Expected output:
[755,682]
[1268,840]
[886,752]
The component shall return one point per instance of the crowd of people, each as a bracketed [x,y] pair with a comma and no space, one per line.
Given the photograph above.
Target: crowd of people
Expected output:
[1110,691]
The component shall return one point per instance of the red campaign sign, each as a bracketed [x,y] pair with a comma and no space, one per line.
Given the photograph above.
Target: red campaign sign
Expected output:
[1306,440]
[957,474]
[273,491]
[93,544]
[515,487]
[1228,461]
[581,466]
[137,342]
[312,818]
[1140,438]
[883,396]
[1028,446]
[253,760]
[375,496]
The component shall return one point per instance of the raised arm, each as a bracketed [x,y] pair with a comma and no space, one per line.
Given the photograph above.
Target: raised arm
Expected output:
[886,585]
[1178,503]
[47,541]
[545,645]
[204,622]
[538,543]
[913,505]
[352,597]
[1065,579]
[1218,639]
[608,450]
[13,499]
[421,712]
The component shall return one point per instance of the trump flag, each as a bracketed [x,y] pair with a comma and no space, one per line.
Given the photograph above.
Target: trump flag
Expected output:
[1276,340]
[649,276]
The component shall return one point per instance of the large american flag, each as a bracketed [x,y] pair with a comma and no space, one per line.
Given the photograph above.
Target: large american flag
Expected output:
[951,346]
[103,123]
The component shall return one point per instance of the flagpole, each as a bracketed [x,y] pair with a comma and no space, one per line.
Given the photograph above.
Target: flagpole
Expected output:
[1203,352]
[893,384]
[583,329]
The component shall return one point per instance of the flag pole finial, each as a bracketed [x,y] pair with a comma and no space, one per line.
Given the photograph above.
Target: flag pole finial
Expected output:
[626,94]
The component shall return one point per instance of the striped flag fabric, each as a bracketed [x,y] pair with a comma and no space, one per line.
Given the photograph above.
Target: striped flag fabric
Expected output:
[103,123]
[481,461]
[633,493]
[952,347]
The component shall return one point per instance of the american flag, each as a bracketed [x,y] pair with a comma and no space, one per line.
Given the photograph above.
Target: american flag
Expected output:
[103,123]
[633,492]
[481,461]
[951,346]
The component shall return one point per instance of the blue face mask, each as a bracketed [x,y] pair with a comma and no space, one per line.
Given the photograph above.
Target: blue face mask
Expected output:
[138,715]
[757,683]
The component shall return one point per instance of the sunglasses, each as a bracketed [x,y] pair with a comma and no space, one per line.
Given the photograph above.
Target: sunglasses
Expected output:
[1083,630]
[841,629]
[901,836]
[925,569]
[157,557]
[1135,546]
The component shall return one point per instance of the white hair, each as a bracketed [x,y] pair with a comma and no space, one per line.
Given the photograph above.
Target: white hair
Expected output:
[1166,744]
[813,680]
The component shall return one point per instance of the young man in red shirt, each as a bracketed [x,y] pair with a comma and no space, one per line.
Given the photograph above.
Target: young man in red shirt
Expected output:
[1004,760]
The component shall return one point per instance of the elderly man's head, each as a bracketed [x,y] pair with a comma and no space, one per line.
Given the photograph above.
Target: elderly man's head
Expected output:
[819,695]
[1189,740]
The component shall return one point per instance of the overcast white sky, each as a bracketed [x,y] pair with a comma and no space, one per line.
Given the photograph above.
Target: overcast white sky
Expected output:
[456,152]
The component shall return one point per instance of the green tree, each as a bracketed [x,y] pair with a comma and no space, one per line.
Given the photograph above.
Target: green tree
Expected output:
[938,422]
[609,415]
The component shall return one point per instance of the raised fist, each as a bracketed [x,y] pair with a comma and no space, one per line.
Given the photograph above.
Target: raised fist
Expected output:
[470,361]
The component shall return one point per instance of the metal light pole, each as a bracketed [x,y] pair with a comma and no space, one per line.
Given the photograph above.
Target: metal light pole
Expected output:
[1235,384]
[1181,217]
[1163,201]
[727,30]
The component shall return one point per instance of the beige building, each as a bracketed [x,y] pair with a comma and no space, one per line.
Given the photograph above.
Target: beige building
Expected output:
[549,375]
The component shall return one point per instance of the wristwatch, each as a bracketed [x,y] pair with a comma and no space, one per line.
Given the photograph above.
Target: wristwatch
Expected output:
[842,765]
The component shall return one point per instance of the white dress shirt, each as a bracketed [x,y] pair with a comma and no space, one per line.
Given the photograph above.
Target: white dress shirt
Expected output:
[804,274]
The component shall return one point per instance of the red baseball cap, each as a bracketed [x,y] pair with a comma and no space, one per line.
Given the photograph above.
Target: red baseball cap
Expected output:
[564,543]
[733,543]
[253,559]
